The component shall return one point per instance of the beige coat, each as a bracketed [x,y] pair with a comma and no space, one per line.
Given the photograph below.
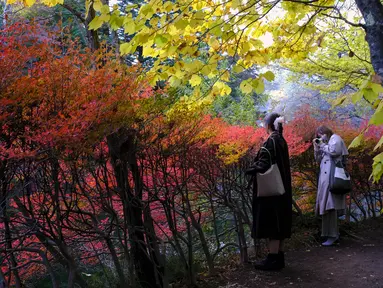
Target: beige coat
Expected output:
[324,153]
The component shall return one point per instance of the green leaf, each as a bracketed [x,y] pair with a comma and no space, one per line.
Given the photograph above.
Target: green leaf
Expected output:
[365,84]
[259,86]
[131,7]
[269,76]
[115,22]
[160,40]
[195,80]
[174,81]
[377,168]
[380,143]
[369,94]
[147,10]
[378,158]
[238,69]
[246,87]
[377,88]
[357,96]
[356,142]
[377,118]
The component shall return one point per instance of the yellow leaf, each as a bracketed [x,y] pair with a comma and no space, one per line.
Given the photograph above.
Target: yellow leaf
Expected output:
[160,40]
[246,87]
[104,9]
[356,142]
[148,51]
[168,6]
[115,22]
[377,88]
[131,7]
[147,11]
[377,167]
[181,24]
[130,28]
[236,3]
[97,5]
[213,43]
[377,118]
[29,2]
[195,80]
[245,47]
[269,76]
[379,144]
[225,76]
[356,97]
[174,81]
[378,158]
[223,89]
[339,101]
[238,68]
[125,48]
[52,3]
[370,94]
[96,23]
[259,86]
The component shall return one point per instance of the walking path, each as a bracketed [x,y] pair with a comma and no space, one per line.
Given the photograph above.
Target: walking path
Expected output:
[357,262]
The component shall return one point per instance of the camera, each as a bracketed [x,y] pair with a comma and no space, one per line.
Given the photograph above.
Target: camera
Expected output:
[318,140]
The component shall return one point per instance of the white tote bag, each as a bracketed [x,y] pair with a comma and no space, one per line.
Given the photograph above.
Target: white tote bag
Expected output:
[270,183]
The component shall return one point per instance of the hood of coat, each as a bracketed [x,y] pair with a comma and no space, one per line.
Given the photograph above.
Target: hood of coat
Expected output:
[336,138]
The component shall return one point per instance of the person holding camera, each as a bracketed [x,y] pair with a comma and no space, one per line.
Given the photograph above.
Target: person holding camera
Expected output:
[272,194]
[329,148]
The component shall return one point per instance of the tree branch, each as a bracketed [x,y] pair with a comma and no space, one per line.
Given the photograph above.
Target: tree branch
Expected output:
[74,12]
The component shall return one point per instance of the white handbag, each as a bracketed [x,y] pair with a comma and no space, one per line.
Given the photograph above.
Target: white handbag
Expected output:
[270,183]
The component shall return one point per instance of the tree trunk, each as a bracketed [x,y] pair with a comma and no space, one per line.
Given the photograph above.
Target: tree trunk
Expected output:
[8,239]
[55,283]
[92,35]
[372,12]
[154,248]
[7,231]
[113,253]
[204,244]
[71,277]
[122,148]
[242,239]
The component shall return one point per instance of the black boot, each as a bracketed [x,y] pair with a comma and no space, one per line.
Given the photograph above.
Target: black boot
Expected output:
[281,258]
[272,262]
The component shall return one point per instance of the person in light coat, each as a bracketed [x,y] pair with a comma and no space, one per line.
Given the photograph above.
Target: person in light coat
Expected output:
[329,148]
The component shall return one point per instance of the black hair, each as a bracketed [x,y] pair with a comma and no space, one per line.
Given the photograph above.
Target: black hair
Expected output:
[324,130]
[269,122]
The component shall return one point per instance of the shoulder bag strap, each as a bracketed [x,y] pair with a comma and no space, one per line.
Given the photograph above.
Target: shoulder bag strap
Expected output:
[271,160]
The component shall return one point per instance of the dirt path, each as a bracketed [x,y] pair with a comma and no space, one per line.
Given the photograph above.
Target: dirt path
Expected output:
[355,263]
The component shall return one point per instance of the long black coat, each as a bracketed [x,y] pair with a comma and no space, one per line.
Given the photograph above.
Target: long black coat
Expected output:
[272,216]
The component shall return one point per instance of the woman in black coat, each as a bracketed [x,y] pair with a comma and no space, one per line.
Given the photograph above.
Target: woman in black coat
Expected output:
[272,216]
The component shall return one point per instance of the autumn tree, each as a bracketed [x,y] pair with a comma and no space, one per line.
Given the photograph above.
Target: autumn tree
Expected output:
[235,29]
